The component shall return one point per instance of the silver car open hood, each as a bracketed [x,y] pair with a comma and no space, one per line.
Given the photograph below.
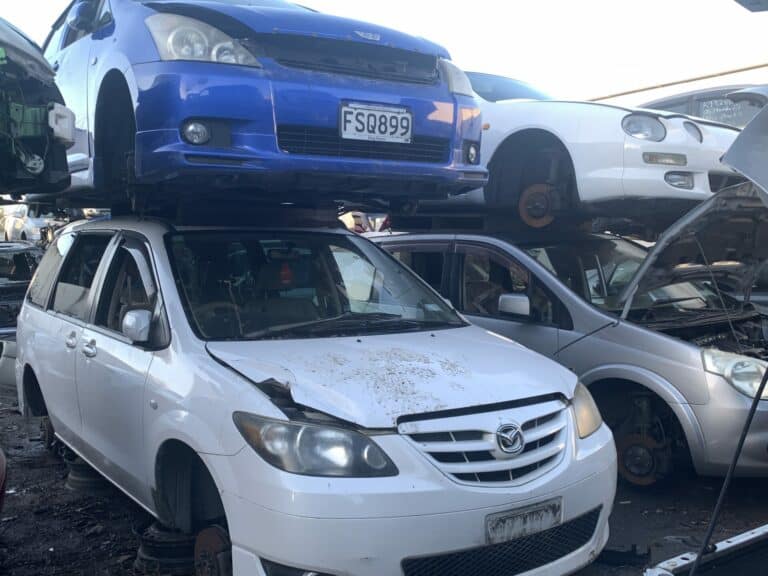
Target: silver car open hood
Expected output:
[725,237]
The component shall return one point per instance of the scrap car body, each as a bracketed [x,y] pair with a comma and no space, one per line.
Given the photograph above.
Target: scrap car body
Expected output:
[35,127]
[259,94]
[549,158]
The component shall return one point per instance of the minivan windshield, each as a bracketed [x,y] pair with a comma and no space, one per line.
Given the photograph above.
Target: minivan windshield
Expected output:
[599,267]
[258,285]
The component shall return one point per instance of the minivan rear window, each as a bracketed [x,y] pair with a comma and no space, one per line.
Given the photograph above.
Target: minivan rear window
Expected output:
[71,296]
[45,275]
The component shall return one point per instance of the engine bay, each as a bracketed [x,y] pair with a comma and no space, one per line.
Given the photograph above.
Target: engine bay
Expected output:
[748,337]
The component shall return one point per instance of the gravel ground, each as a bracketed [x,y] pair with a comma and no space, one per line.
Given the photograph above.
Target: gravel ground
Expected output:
[47,529]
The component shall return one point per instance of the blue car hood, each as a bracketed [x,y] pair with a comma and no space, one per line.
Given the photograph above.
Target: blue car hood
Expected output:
[303,22]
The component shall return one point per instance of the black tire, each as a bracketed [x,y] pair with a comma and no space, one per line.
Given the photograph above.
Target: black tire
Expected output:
[119,156]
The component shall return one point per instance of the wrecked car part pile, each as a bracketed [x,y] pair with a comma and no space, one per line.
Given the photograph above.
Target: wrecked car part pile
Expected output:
[188,338]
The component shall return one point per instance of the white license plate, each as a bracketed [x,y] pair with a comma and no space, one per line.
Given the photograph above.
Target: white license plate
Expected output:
[376,123]
[506,526]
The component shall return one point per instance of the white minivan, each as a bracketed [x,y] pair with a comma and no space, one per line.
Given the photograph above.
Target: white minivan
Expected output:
[308,406]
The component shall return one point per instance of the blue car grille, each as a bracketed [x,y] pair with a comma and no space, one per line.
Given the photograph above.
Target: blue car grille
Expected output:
[310,141]
[350,58]
[510,558]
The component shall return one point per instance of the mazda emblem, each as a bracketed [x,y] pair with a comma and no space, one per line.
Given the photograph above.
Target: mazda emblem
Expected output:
[510,439]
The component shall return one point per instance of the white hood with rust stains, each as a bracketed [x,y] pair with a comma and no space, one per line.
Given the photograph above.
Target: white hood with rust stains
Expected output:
[373,380]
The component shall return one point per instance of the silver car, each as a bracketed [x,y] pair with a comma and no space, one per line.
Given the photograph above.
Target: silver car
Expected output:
[672,361]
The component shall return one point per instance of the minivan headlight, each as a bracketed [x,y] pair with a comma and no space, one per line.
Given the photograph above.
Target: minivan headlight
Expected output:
[741,372]
[183,38]
[588,417]
[644,127]
[458,81]
[313,449]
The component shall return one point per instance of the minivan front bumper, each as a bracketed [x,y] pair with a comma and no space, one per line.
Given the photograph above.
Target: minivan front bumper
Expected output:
[416,521]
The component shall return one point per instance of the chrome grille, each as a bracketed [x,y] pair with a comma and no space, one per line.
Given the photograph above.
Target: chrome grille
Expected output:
[467,449]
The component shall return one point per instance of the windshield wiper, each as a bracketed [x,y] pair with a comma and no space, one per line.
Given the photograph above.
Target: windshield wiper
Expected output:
[349,321]
[313,325]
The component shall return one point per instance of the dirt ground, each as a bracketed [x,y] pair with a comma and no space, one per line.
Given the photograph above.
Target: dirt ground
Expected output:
[47,529]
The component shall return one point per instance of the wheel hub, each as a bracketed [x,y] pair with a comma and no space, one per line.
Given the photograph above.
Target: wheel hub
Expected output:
[536,206]
[640,459]
[213,552]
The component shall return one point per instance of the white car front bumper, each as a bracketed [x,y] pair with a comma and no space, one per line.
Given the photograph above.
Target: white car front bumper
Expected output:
[369,527]
[645,176]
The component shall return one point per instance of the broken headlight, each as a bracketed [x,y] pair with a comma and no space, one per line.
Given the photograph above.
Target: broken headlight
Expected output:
[588,417]
[741,372]
[183,38]
[314,450]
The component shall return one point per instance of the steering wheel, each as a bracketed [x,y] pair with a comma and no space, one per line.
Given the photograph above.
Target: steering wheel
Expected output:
[215,310]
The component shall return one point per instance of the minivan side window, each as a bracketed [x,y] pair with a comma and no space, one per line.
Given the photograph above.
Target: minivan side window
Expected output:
[486,276]
[71,296]
[54,41]
[40,287]
[427,263]
[129,285]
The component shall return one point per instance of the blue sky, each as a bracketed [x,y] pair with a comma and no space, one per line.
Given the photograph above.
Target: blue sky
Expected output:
[571,48]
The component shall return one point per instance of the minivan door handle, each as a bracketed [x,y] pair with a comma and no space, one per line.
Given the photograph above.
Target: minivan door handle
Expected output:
[55,66]
[71,340]
[89,348]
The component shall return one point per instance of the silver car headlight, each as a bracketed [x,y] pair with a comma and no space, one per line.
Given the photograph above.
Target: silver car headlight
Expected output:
[183,38]
[644,127]
[741,372]
[586,412]
[313,449]
[458,81]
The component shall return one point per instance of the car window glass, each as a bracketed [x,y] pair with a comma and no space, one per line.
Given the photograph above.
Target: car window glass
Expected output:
[722,109]
[244,285]
[73,288]
[428,264]
[486,276]
[46,271]
[128,286]
[73,35]
[54,41]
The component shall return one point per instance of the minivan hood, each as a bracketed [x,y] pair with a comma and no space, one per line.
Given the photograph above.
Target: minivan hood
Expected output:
[725,237]
[302,22]
[372,381]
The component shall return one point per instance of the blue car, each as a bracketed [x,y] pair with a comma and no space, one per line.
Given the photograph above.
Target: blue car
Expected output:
[259,96]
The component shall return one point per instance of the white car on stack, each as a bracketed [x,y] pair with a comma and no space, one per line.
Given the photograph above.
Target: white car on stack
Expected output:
[550,158]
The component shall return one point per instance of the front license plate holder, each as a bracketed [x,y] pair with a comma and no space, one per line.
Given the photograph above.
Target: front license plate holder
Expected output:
[514,524]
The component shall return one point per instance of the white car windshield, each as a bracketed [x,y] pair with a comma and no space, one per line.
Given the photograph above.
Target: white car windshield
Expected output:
[257,285]
[599,267]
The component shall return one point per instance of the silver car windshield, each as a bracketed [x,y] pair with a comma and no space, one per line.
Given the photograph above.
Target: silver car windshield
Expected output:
[259,285]
[598,268]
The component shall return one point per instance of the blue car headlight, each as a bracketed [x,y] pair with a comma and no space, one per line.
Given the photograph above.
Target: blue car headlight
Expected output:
[458,81]
[183,38]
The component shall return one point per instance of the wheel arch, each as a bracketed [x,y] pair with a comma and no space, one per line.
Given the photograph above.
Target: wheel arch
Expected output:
[659,387]
[33,401]
[186,494]
[114,86]
[522,140]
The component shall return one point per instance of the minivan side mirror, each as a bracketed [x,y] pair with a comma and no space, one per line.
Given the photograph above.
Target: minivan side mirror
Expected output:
[136,325]
[515,305]
[81,16]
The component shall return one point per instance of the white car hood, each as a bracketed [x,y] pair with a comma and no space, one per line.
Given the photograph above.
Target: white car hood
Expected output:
[374,380]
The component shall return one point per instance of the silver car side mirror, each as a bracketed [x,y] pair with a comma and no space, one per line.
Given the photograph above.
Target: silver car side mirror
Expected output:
[136,325]
[515,305]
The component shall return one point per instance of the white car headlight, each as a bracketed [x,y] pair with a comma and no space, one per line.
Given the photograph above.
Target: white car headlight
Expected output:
[182,38]
[741,372]
[458,81]
[588,417]
[314,450]
[644,127]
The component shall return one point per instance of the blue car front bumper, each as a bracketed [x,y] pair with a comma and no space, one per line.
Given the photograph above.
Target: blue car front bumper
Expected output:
[280,127]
